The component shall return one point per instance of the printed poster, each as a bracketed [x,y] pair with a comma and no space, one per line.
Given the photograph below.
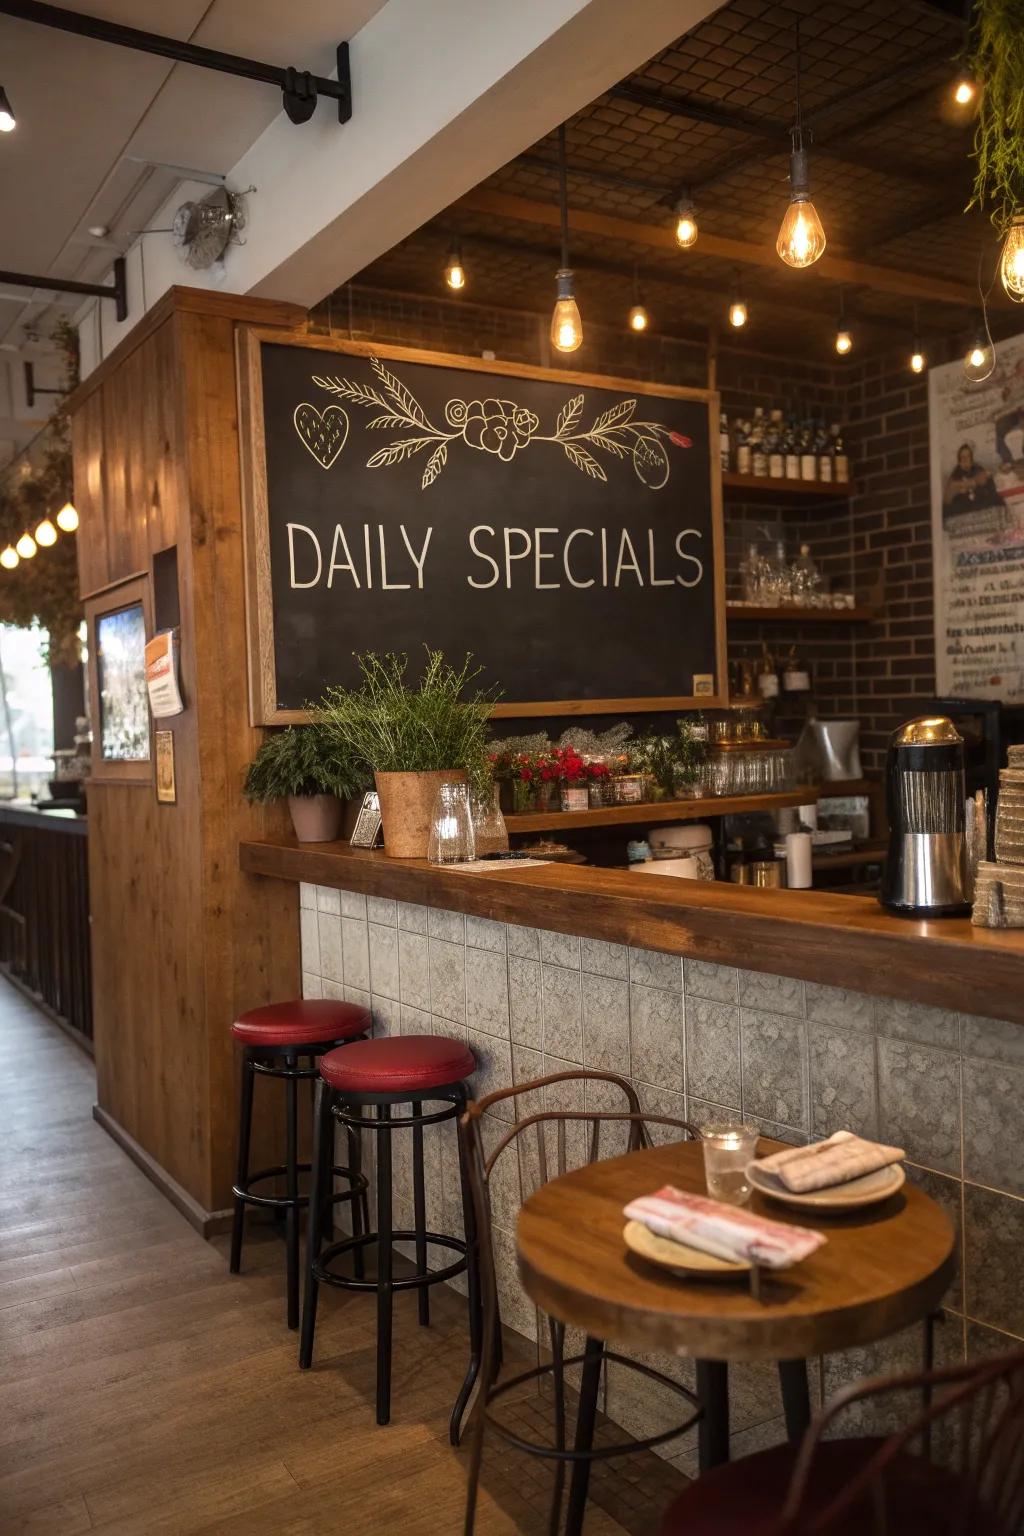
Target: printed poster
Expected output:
[976,434]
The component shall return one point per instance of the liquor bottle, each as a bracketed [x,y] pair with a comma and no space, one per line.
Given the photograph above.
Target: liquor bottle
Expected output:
[808,457]
[767,676]
[841,462]
[796,677]
[792,450]
[825,446]
[723,442]
[743,447]
[774,445]
[758,457]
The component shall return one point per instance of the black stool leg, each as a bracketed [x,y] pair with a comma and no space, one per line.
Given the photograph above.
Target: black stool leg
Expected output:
[323,1129]
[292,1183]
[385,1295]
[585,1417]
[242,1174]
[419,1200]
[360,1204]
[796,1398]
[713,1427]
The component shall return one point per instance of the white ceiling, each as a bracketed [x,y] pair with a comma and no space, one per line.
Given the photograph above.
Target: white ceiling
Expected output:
[83,108]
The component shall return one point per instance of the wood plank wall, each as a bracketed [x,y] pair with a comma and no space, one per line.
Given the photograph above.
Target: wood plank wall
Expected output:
[181,940]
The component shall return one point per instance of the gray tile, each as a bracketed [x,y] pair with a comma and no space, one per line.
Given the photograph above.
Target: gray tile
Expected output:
[986,1343]
[333,989]
[384,978]
[840,1007]
[702,978]
[949,1194]
[559,949]
[712,1050]
[663,1101]
[328,900]
[524,999]
[524,941]
[774,1067]
[442,924]
[993,1039]
[994,1124]
[414,968]
[353,905]
[309,939]
[416,1021]
[919,1103]
[307,896]
[487,1000]
[527,1066]
[650,968]
[791,1134]
[493,1069]
[994,1258]
[332,962]
[412,917]
[357,995]
[606,1023]
[356,950]
[312,984]
[897,1355]
[842,1082]
[602,1096]
[704,1114]
[381,909]
[517,1310]
[656,1036]
[773,994]
[602,959]
[900,1020]
[448,980]
[387,1016]
[485,933]
[563,1014]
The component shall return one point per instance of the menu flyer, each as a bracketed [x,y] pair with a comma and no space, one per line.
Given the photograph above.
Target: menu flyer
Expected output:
[162,675]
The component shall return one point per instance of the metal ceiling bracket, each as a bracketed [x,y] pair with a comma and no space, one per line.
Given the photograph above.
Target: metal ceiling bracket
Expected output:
[32,389]
[118,289]
[299,89]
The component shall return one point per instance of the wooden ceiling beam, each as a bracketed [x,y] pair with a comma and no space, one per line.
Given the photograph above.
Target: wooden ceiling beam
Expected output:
[838,269]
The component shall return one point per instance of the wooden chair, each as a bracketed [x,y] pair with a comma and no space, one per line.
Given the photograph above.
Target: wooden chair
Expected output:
[882,1485]
[480,1166]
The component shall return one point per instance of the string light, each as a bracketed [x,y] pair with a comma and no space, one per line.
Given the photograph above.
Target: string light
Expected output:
[8,121]
[566,325]
[9,558]
[26,546]
[455,272]
[801,236]
[686,222]
[46,534]
[67,518]
[1011,262]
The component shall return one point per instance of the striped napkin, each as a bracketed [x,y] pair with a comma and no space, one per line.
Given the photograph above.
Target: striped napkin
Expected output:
[841,1158]
[723,1230]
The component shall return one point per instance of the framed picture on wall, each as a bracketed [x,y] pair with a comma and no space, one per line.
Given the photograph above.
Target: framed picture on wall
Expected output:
[118,623]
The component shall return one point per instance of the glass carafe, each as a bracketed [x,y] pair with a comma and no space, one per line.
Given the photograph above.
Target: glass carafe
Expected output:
[451,826]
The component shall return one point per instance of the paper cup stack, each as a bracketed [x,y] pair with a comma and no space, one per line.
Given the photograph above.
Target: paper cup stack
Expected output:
[999,886]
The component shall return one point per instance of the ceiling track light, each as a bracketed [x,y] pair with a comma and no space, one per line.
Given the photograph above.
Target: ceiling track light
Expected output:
[566,325]
[8,121]
[844,339]
[686,222]
[299,89]
[454,271]
[801,236]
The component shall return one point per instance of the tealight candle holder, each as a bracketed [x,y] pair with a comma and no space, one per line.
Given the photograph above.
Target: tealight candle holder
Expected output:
[728,1148]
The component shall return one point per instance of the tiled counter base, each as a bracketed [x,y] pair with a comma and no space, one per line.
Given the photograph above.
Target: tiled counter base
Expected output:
[701,1041]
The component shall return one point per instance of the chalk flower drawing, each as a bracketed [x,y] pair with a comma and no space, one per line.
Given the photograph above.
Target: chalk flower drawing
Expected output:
[504,428]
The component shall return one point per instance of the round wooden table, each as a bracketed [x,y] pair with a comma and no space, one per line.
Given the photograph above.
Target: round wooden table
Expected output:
[881,1269]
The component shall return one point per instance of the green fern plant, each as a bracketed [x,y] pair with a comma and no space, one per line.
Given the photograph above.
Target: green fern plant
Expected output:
[996,60]
[304,760]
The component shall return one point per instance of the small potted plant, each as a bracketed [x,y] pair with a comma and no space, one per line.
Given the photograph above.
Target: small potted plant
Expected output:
[573,778]
[301,765]
[414,736]
[599,778]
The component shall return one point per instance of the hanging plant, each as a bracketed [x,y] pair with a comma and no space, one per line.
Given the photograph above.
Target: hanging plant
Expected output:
[996,59]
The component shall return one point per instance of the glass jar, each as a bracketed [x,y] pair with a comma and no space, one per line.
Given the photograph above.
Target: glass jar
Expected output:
[451,826]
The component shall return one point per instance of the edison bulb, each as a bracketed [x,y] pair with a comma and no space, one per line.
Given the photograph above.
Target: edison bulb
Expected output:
[963,91]
[844,342]
[566,325]
[980,360]
[8,121]
[67,518]
[46,533]
[737,313]
[686,226]
[26,546]
[455,272]
[8,558]
[638,318]
[801,236]
[917,362]
[1011,263]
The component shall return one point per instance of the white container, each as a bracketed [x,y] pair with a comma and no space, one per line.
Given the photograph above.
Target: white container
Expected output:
[798,861]
[682,869]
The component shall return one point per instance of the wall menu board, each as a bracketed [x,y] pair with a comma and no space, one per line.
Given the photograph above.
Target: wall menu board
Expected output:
[565,529]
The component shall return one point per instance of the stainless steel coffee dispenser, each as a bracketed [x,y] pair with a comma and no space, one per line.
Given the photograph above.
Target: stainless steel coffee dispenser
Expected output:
[926,874]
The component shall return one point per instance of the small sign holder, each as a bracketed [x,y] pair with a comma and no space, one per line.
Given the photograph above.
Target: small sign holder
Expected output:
[368,832]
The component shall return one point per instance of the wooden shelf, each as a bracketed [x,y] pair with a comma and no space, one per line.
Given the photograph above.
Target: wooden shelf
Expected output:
[748,613]
[873,851]
[649,812]
[770,488]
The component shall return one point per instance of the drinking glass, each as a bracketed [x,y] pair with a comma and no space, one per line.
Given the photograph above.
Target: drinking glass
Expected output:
[728,1148]
[451,826]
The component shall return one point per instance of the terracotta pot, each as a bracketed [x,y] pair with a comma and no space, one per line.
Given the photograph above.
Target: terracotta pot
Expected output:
[406,801]
[316,818]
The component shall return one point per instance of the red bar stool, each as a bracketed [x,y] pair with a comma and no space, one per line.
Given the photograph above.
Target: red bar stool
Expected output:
[399,1069]
[274,1038]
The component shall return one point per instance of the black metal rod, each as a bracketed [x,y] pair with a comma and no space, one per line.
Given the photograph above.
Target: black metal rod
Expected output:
[32,389]
[563,197]
[116,291]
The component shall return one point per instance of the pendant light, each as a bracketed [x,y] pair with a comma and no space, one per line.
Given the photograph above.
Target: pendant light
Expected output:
[1011,262]
[738,315]
[980,357]
[8,121]
[566,325]
[67,518]
[801,236]
[639,319]
[46,534]
[9,558]
[964,89]
[686,222]
[844,340]
[454,271]
[26,546]
[918,361]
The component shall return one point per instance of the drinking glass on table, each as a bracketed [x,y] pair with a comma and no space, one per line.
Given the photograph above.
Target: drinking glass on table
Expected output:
[728,1148]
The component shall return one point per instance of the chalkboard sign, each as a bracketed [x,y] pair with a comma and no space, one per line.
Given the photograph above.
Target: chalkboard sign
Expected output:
[564,529]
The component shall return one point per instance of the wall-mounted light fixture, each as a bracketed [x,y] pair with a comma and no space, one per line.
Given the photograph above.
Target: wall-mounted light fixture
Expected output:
[299,89]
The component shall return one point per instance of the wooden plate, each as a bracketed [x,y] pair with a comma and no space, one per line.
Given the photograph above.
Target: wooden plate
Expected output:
[869,1189]
[677,1257]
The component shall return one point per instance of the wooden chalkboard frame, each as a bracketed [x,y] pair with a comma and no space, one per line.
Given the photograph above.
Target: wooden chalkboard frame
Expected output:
[263,707]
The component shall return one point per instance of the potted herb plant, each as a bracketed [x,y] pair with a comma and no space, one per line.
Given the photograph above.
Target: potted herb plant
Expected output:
[314,773]
[414,736]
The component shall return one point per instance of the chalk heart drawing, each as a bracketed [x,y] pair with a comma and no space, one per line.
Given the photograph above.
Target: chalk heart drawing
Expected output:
[323,432]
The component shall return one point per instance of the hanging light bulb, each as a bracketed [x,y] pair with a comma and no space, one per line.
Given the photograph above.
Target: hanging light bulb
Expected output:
[9,558]
[67,518]
[8,121]
[639,319]
[918,361]
[686,222]
[455,272]
[46,533]
[26,546]
[801,236]
[1011,263]
[980,357]
[737,313]
[566,325]
[844,338]
[964,89]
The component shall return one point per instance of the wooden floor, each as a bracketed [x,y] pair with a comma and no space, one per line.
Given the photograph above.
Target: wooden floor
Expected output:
[143,1389]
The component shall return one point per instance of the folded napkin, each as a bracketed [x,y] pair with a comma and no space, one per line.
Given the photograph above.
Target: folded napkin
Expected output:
[723,1230]
[842,1157]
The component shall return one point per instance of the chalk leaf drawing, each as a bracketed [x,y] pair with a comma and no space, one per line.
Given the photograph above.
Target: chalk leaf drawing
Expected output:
[503,428]
[323,432]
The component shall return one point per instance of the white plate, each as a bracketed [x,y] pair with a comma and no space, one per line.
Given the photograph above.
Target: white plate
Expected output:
[678,1257]
[869,1189]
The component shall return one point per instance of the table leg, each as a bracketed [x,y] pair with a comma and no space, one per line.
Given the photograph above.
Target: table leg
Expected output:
[586,1414]
[796,1398]
[713,1426]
